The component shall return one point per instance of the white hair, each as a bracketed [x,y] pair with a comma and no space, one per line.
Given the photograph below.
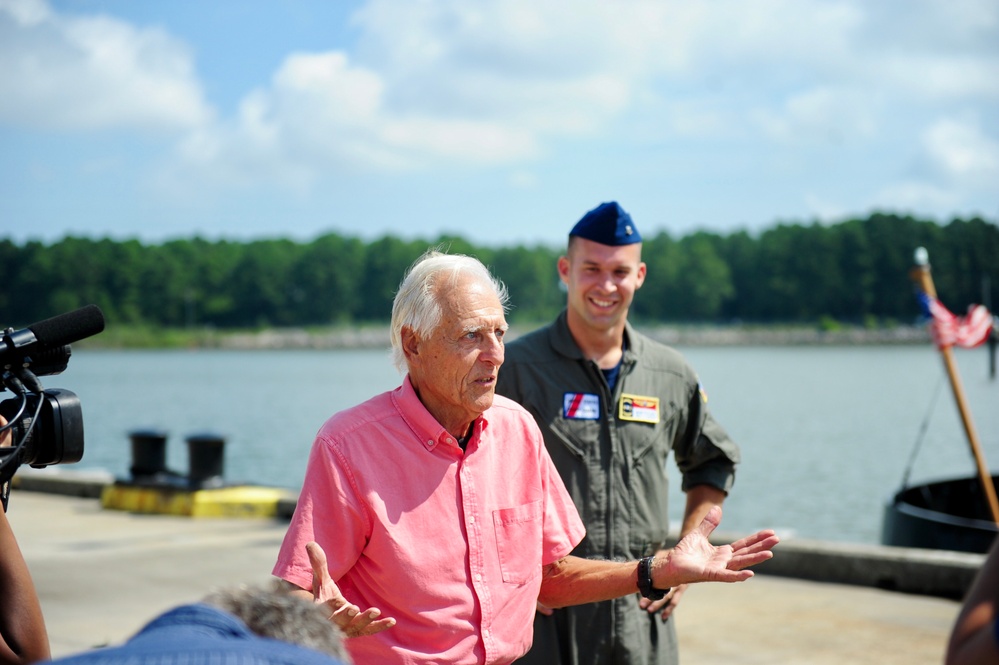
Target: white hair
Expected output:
[417,305]
[274,613]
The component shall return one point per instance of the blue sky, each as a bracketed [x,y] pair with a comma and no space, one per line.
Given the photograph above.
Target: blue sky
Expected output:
[499,120]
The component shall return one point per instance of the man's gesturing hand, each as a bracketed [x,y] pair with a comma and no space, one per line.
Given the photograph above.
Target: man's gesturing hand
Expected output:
[351,620]
[695,559]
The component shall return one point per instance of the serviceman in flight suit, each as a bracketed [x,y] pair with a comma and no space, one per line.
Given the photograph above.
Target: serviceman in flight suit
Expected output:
[612,404]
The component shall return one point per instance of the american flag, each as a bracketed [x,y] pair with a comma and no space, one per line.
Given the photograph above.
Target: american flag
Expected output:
[946,329]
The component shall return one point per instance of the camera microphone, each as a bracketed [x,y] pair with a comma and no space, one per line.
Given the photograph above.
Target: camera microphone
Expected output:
[43,347]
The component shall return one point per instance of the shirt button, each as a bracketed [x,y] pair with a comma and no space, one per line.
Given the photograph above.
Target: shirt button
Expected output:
[471,520]
[430,442]
[478,577]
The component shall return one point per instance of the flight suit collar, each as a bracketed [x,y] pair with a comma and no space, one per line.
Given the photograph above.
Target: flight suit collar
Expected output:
[560,338]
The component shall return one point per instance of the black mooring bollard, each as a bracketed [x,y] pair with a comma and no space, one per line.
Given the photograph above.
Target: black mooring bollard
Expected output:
[206,459]
[148,453]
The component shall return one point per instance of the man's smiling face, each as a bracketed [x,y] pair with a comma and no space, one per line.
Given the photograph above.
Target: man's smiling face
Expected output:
[601,281]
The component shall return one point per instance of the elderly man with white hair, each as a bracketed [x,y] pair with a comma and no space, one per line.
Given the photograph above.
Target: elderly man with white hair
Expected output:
[436,506]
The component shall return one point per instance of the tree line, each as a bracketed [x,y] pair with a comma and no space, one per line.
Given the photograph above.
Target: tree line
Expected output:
[854,271]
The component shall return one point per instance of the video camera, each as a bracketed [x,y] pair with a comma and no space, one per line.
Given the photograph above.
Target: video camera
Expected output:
[46,425]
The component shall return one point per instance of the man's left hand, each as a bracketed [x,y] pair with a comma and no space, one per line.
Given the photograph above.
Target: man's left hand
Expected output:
[695,559]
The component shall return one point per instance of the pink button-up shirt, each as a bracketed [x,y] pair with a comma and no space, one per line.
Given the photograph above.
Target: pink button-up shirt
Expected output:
[450,544]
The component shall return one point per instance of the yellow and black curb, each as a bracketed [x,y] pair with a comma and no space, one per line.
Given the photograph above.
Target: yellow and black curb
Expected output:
[250,501]
[238,501]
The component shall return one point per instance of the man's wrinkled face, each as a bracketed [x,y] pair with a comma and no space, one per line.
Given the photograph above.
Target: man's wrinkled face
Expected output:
[601,281]
[454,370]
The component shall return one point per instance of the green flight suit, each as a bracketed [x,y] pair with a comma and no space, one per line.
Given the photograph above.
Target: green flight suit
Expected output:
[612,458]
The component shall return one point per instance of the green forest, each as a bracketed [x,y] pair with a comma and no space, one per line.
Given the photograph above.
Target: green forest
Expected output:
[853,272]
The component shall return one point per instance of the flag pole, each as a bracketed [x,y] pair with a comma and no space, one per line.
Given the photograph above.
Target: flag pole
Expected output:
[921,275]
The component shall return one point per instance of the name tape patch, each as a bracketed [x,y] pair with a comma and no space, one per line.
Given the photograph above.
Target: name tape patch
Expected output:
[639,408]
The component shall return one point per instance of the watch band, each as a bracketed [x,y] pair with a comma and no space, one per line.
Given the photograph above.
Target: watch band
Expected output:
[645,586]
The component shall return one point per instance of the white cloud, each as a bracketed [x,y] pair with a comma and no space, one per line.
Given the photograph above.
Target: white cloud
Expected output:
[825,210]
[523,180]
[26,12]
[494,82]
[961,151]
[807,68]
[61,72]
[928,50]
[824,114]
[957,171]
[938,76]
[445,85]
[320,114]
[911,195]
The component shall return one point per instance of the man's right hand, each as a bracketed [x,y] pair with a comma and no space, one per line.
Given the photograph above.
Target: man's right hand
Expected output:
[351,620]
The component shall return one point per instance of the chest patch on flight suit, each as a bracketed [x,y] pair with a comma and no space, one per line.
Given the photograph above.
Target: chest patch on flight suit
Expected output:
[638,408]
[581,406]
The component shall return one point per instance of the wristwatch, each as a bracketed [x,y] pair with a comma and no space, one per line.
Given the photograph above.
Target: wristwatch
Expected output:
[645,580]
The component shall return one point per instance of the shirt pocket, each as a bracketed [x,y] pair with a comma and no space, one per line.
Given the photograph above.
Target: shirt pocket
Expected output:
[518,541]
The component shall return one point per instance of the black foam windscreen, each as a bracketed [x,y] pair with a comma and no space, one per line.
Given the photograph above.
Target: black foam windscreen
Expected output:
[69,327]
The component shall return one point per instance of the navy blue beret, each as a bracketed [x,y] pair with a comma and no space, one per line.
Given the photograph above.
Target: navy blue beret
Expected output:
[607,224]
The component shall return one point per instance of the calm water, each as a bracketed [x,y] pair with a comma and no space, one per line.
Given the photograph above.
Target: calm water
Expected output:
[826,433]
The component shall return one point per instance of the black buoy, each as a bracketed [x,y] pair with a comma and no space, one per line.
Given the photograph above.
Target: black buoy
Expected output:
[148,453]
[206,459]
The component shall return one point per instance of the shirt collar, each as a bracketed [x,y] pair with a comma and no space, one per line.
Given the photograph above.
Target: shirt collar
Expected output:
[205,619]
[426,428]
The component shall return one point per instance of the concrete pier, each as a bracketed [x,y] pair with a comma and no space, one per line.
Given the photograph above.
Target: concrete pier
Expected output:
[101,574]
